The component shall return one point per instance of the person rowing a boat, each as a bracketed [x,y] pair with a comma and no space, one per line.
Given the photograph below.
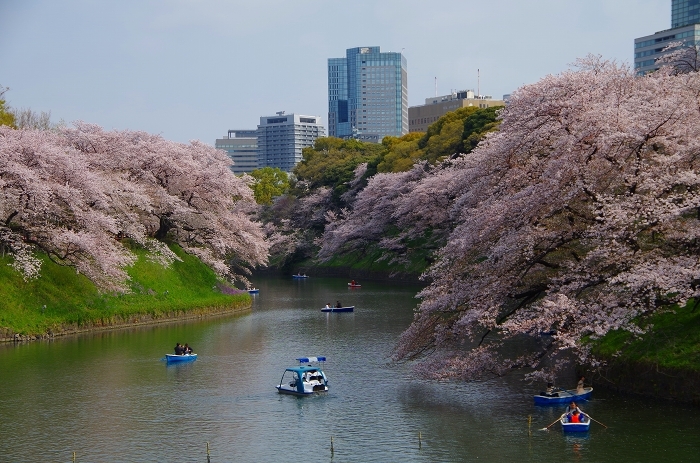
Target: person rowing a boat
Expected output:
[571,407]
[179,349]
[579,386]
[338,305]
[187,349]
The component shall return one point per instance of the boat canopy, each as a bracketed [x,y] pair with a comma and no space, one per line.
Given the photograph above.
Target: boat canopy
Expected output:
[311,359]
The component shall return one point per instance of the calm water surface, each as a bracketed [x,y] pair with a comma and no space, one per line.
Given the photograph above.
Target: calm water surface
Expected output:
[109,397]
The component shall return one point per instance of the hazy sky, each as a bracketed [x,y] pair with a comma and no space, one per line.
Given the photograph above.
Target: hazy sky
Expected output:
[192,69]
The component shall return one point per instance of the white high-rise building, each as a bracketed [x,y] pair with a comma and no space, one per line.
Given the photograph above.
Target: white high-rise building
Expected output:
[282,137]
[242,147]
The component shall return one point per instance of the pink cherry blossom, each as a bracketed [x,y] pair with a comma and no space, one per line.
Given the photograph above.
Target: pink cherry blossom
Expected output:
[74,193]
[579,215]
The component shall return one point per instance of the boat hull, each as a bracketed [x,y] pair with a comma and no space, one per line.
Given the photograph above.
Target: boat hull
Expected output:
[253,291]
[350,285]
[564,396]
[172,358]
[287,390]
[574,427]
[300,276]
[338,309]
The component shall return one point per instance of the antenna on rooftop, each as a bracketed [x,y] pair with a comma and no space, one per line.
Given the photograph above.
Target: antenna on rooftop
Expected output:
[280,113]
[436,86]
[478,83]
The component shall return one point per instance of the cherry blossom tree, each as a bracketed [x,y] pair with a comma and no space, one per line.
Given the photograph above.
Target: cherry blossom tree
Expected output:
[680,58]
[74,193]
[371,215]
[578,216]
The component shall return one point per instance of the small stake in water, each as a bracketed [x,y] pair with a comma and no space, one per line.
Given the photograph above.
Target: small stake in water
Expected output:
[332,450]
[73,457]
[208,457]
[420,443]
[529,424]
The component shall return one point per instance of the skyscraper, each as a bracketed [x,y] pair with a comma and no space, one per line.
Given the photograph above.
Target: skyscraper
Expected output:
[685,27]
[281,139]
[685,12]
[367,94]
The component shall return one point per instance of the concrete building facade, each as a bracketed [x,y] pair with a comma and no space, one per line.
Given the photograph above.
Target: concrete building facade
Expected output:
[242,147]
[367,94]
[420,117]
[281,138]
[685,27]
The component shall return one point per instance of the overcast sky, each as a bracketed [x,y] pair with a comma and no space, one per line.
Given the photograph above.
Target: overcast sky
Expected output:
[192,69]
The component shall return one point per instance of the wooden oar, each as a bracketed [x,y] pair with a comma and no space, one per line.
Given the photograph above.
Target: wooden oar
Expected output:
[593,419]
[553,422]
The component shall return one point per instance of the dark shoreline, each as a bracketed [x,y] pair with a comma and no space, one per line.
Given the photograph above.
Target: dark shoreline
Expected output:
[347,272]
[649,380]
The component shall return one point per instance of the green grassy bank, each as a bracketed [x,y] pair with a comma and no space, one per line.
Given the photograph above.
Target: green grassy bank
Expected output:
[663,363]
[673,341]
[62,300]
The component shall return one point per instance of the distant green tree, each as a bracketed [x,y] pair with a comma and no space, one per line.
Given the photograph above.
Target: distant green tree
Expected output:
[456,132]
[269,183]
[402,153]
[444,137]
[477,125]
[437,127]
[332,161]
[6,116]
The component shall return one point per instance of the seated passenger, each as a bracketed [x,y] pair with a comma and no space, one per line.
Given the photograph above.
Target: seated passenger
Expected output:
[575,417]
[550,391]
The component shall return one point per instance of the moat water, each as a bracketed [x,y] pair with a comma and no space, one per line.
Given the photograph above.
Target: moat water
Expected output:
[108,397]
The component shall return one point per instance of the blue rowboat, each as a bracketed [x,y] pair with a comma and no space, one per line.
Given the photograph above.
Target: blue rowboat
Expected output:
[300,276]
[338,309]
[574,427]
[253,291]
[304,380]
[173,358]
[563,396]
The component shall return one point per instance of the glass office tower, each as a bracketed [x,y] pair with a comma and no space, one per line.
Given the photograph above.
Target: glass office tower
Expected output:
[685,27]
[685,12]
[367,95]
